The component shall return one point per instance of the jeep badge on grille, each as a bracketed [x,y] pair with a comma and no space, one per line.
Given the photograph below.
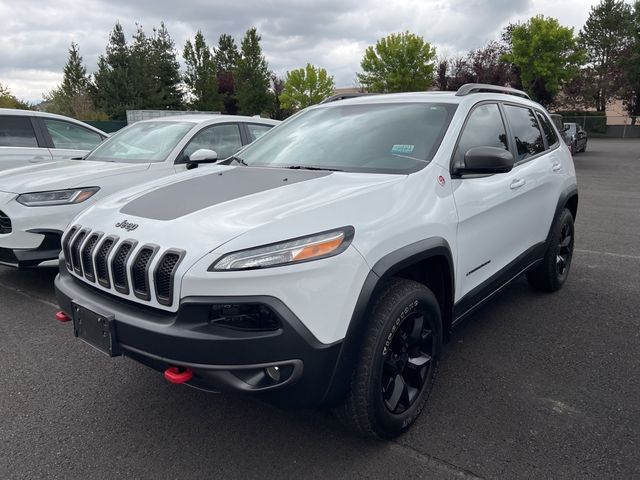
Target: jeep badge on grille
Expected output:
[127,225]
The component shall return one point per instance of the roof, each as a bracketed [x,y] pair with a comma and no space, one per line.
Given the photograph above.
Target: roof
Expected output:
[197,118]
[35,113]
[428,97]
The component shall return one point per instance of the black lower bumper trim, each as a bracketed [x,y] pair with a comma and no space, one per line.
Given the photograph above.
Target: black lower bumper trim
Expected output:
[48,250]
[221,359]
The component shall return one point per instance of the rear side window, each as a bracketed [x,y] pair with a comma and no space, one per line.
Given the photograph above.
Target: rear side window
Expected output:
[484,128]
[17,132]
[525,130]
[256,131]
[70,136]
[548,130]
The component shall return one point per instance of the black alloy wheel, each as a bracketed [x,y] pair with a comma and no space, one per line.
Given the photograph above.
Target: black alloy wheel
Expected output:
[565,251]
[408,363]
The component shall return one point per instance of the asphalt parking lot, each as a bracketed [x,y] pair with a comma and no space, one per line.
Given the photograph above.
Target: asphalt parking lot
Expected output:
[533,386]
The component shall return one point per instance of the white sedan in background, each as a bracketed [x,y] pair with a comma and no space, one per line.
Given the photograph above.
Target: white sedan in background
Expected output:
[28,137]
[38,202]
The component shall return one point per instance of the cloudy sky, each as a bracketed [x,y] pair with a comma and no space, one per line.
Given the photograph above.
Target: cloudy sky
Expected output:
[330,33]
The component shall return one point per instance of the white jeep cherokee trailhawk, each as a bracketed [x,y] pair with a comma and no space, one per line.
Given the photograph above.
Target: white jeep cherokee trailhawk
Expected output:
[326,263]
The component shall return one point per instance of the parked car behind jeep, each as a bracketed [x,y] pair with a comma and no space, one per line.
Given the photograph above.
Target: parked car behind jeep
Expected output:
[28,137]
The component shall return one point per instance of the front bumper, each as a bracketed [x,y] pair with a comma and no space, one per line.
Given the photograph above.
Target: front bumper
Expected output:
[49,249]
[221,359]
[34,232]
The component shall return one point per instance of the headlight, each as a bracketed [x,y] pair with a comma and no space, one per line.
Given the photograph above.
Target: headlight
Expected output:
[297,250]
[57,197]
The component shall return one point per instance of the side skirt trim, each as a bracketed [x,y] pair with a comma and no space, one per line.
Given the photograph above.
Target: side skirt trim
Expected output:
[488,289]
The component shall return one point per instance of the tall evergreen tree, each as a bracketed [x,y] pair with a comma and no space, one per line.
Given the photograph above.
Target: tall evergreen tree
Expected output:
[200,77]
[226,60]
[143,75]
[165,70]
[114,88]
[71,97]
[605,38]
[252,76]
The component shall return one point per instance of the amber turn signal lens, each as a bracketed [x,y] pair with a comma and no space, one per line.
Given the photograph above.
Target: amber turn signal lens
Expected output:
[319,249]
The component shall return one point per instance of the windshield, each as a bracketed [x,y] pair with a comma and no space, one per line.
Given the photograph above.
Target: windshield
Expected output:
[377,138]
[141,143]
[571,127]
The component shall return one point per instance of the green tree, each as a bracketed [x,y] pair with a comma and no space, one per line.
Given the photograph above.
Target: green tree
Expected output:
[631,66]
[72,97]
[226,60]
[165,71]
[604,38]
[401,62]
[200,77]
[143,75]
[114,89]
[546,54]
[306,86]
[8,100]
[278,112]
[252,76]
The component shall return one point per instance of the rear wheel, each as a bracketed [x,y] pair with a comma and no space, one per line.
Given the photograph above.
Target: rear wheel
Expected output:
[552,272]
[398,362]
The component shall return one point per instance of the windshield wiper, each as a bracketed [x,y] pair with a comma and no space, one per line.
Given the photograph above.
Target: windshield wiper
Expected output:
[310,167]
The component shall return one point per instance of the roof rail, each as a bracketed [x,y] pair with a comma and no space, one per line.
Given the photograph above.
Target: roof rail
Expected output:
[344,96]
[468,88]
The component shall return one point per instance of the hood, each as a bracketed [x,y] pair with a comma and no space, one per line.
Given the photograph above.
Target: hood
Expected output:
[61,175]
[201,212]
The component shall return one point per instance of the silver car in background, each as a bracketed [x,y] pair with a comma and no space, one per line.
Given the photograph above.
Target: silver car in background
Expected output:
[28,137]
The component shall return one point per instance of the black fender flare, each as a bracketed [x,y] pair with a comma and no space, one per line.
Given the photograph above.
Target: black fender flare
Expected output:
[383,269]
[570,194]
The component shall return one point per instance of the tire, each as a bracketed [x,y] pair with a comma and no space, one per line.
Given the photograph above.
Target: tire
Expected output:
[584,147]
[550,274]
[574,148]
[398,362]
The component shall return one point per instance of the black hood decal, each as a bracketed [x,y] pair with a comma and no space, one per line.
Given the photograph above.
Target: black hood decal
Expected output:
[188,196]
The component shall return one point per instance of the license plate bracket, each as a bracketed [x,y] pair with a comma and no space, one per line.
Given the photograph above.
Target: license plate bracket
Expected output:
[96,329]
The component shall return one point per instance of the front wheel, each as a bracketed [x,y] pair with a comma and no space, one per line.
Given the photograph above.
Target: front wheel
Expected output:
[553,270]
[398,361]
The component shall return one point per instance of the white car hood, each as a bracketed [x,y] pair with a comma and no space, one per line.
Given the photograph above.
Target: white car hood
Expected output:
[61,175]
[200,212]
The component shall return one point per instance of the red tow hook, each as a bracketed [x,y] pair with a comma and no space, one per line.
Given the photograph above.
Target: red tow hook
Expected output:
[62,317]
[178,374]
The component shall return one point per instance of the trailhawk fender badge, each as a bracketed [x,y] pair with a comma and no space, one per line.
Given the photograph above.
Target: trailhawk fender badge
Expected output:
[441,180]
[127,225]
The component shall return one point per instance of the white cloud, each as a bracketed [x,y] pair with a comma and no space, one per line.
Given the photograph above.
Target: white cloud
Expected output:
[330,33]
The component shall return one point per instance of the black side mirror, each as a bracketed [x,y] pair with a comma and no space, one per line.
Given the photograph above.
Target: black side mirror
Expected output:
[486,160]
[202,155]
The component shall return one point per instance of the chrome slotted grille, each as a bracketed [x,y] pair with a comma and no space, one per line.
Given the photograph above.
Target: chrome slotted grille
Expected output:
[122,266]
[5,223]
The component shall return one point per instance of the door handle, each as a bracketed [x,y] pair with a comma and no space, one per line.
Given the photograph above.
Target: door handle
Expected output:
[556,167]
[517,183]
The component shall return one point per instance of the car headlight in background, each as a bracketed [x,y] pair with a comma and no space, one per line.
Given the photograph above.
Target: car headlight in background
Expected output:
[297,250]
[57,197]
